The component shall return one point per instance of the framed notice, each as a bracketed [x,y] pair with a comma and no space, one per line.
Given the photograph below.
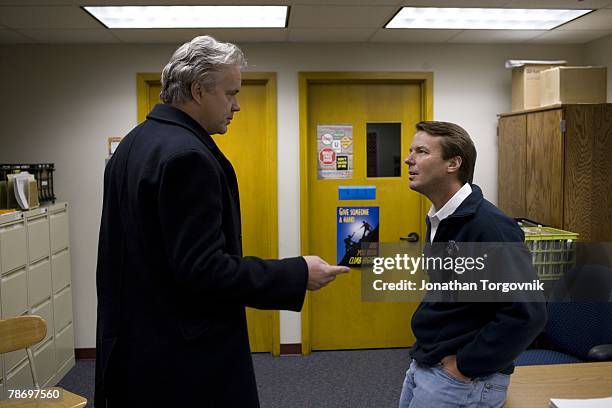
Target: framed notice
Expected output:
[113,142]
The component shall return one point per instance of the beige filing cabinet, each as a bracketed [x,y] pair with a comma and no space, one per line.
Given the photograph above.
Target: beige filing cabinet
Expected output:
[35,279]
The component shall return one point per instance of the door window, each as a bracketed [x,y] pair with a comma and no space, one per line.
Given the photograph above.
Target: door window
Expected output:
[384,149]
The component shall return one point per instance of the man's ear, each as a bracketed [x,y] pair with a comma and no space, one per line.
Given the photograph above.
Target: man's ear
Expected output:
[454,164]
[196,92]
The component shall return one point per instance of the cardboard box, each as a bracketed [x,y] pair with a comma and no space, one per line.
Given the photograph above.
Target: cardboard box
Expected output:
[573,85]
[526,86]
[33,194]
[30,192]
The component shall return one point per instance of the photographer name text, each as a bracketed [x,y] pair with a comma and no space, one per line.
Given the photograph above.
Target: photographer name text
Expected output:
[485,285]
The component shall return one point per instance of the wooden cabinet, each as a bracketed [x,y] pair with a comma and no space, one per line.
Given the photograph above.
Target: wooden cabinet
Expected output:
[35,279]
[555,167]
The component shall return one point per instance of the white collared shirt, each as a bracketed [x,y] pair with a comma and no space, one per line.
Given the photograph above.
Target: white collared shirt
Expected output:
[435,217]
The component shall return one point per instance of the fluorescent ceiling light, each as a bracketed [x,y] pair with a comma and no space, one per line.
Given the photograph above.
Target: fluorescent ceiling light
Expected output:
[190,16]
[482,18]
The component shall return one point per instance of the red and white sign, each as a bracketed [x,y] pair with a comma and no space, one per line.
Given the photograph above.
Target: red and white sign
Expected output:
[327,156]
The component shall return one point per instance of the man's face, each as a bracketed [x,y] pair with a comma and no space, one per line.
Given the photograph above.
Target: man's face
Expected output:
[217,107]
[427,168]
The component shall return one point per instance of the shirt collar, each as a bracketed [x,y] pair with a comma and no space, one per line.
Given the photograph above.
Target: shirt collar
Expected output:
[451,205]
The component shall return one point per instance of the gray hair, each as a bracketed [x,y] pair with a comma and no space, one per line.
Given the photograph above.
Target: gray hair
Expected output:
[198,60]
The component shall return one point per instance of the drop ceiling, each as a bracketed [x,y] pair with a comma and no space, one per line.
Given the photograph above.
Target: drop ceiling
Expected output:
[64,22]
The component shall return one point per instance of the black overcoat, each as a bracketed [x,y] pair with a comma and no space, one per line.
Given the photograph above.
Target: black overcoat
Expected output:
[172,284]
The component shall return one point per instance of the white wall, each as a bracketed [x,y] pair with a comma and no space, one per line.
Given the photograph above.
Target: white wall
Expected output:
[599,52]
[60,103]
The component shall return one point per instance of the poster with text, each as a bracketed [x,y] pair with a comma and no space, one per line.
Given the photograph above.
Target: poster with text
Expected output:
[357,235]
[335,151]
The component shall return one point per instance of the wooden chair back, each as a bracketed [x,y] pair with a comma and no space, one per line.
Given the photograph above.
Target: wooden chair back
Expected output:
[23,332]
[17,333]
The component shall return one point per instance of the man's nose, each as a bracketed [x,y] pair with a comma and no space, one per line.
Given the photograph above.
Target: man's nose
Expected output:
[408,160]
[235,107]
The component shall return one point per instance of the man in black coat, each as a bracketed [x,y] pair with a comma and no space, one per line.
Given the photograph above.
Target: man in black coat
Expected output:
[464,352]
[172,283]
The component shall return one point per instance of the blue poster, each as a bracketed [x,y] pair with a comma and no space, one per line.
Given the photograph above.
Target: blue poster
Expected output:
[357,235]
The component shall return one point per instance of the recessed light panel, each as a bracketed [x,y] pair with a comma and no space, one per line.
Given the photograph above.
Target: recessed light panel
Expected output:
[190,16]
[482,18]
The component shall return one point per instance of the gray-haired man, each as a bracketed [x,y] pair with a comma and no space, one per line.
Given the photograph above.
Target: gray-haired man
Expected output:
[172,283]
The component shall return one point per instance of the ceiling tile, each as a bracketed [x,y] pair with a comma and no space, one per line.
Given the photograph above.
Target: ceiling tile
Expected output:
[455,3]
[330,34]
[12,37]
[36,2]
[46,17]
[249,35]
[570,37]
[559,4]
[339,17]
[414,36]
[597,20]
[79,36]
[495,36]
[179,36]
[347,2]
[181,2]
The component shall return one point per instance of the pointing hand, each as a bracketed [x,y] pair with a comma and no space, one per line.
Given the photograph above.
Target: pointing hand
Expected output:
[320,273]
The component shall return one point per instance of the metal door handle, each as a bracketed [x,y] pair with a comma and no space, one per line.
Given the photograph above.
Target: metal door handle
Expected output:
[412,237]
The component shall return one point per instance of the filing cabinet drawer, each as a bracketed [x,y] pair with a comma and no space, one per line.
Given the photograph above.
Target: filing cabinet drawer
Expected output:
[46,312]
[39,282]
[64,344]
[44,361]
[20,377]
[38,238]
[59,231]
[14,293]
[12,359]
[13,248]
[60,267]
[62,307]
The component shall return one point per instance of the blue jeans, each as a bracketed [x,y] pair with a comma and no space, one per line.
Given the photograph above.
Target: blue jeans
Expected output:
[434,387]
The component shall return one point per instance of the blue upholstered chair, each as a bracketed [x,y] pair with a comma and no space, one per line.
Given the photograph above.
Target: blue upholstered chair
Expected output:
[581,330]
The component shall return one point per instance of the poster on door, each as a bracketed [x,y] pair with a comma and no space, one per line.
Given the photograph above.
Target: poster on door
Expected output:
[335,151]
[357,235]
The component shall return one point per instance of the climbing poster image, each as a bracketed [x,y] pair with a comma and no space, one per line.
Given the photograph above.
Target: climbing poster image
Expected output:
[357,235]
[335,151]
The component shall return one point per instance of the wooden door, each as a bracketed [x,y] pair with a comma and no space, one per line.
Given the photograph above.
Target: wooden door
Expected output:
[339,319]
[588,171]
[250,145]
[511,171]
[545,156]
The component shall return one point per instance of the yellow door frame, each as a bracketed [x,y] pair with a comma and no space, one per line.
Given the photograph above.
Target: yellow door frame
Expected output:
[425,79]
[145,80]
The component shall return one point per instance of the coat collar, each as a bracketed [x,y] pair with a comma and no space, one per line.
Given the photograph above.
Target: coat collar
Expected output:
[170,114]
[468,207]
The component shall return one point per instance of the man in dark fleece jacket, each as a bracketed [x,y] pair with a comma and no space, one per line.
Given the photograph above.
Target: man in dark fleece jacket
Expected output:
[464,352]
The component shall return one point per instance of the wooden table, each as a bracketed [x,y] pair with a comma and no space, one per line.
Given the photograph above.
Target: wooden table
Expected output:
[534,386]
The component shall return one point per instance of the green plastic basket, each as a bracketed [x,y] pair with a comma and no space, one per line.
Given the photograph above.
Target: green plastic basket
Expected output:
[553,251]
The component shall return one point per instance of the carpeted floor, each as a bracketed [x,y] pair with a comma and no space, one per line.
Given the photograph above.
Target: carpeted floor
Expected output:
[334,379]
